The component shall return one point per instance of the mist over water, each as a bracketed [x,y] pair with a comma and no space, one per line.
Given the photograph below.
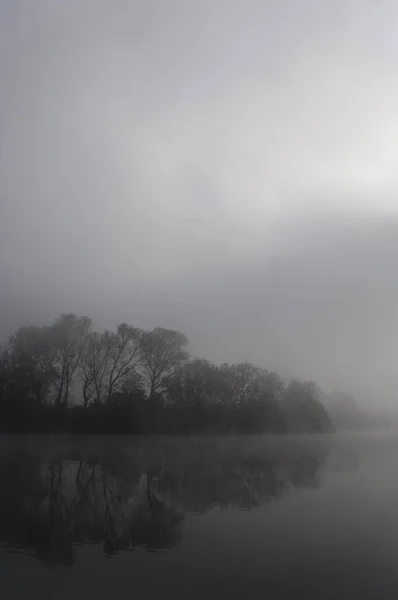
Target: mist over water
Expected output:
[290,516]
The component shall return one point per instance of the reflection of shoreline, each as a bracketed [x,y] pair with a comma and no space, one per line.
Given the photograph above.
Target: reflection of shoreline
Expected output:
[122,502]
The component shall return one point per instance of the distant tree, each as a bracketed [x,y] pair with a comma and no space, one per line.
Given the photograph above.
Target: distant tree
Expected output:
[162,352]
[16,383]
[108,361]
[127,375]
[303,409]
[243,383]
[344,411]
[123,349]
[240,379]
[193,383]
[32,360]
[69,333]
[242,396]
[94,363]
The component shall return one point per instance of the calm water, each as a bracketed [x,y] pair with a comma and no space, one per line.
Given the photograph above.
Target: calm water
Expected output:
[201,517]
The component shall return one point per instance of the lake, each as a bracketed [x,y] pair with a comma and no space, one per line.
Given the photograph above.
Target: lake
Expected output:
[199,517]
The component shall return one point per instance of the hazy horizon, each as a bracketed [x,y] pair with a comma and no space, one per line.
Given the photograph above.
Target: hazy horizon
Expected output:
[222,168]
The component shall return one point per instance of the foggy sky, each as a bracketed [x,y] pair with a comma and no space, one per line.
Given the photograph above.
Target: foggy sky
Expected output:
[227,168]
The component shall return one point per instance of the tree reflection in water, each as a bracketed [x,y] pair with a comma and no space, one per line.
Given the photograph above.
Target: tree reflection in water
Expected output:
[121,502]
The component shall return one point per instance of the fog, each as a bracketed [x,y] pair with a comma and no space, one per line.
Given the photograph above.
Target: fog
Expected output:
[225,168]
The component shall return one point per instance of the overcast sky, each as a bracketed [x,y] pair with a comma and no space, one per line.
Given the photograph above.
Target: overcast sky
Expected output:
[228,168]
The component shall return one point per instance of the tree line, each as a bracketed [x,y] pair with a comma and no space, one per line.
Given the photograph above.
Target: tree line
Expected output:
[67,377]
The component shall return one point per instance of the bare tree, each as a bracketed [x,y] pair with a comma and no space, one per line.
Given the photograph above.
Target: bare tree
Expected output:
[69,334]
[108,361]
[162,351]
[94,366]
[123,348]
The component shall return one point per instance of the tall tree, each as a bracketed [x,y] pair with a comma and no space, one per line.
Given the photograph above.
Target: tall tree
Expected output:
[108,361]
[162,351]
[123,349]
[94,367]
[69,335]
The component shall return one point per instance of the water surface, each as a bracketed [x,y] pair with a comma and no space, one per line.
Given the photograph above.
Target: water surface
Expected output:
[196,517]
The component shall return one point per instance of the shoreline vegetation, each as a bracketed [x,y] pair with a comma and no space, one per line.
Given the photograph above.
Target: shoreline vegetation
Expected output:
[67,378]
